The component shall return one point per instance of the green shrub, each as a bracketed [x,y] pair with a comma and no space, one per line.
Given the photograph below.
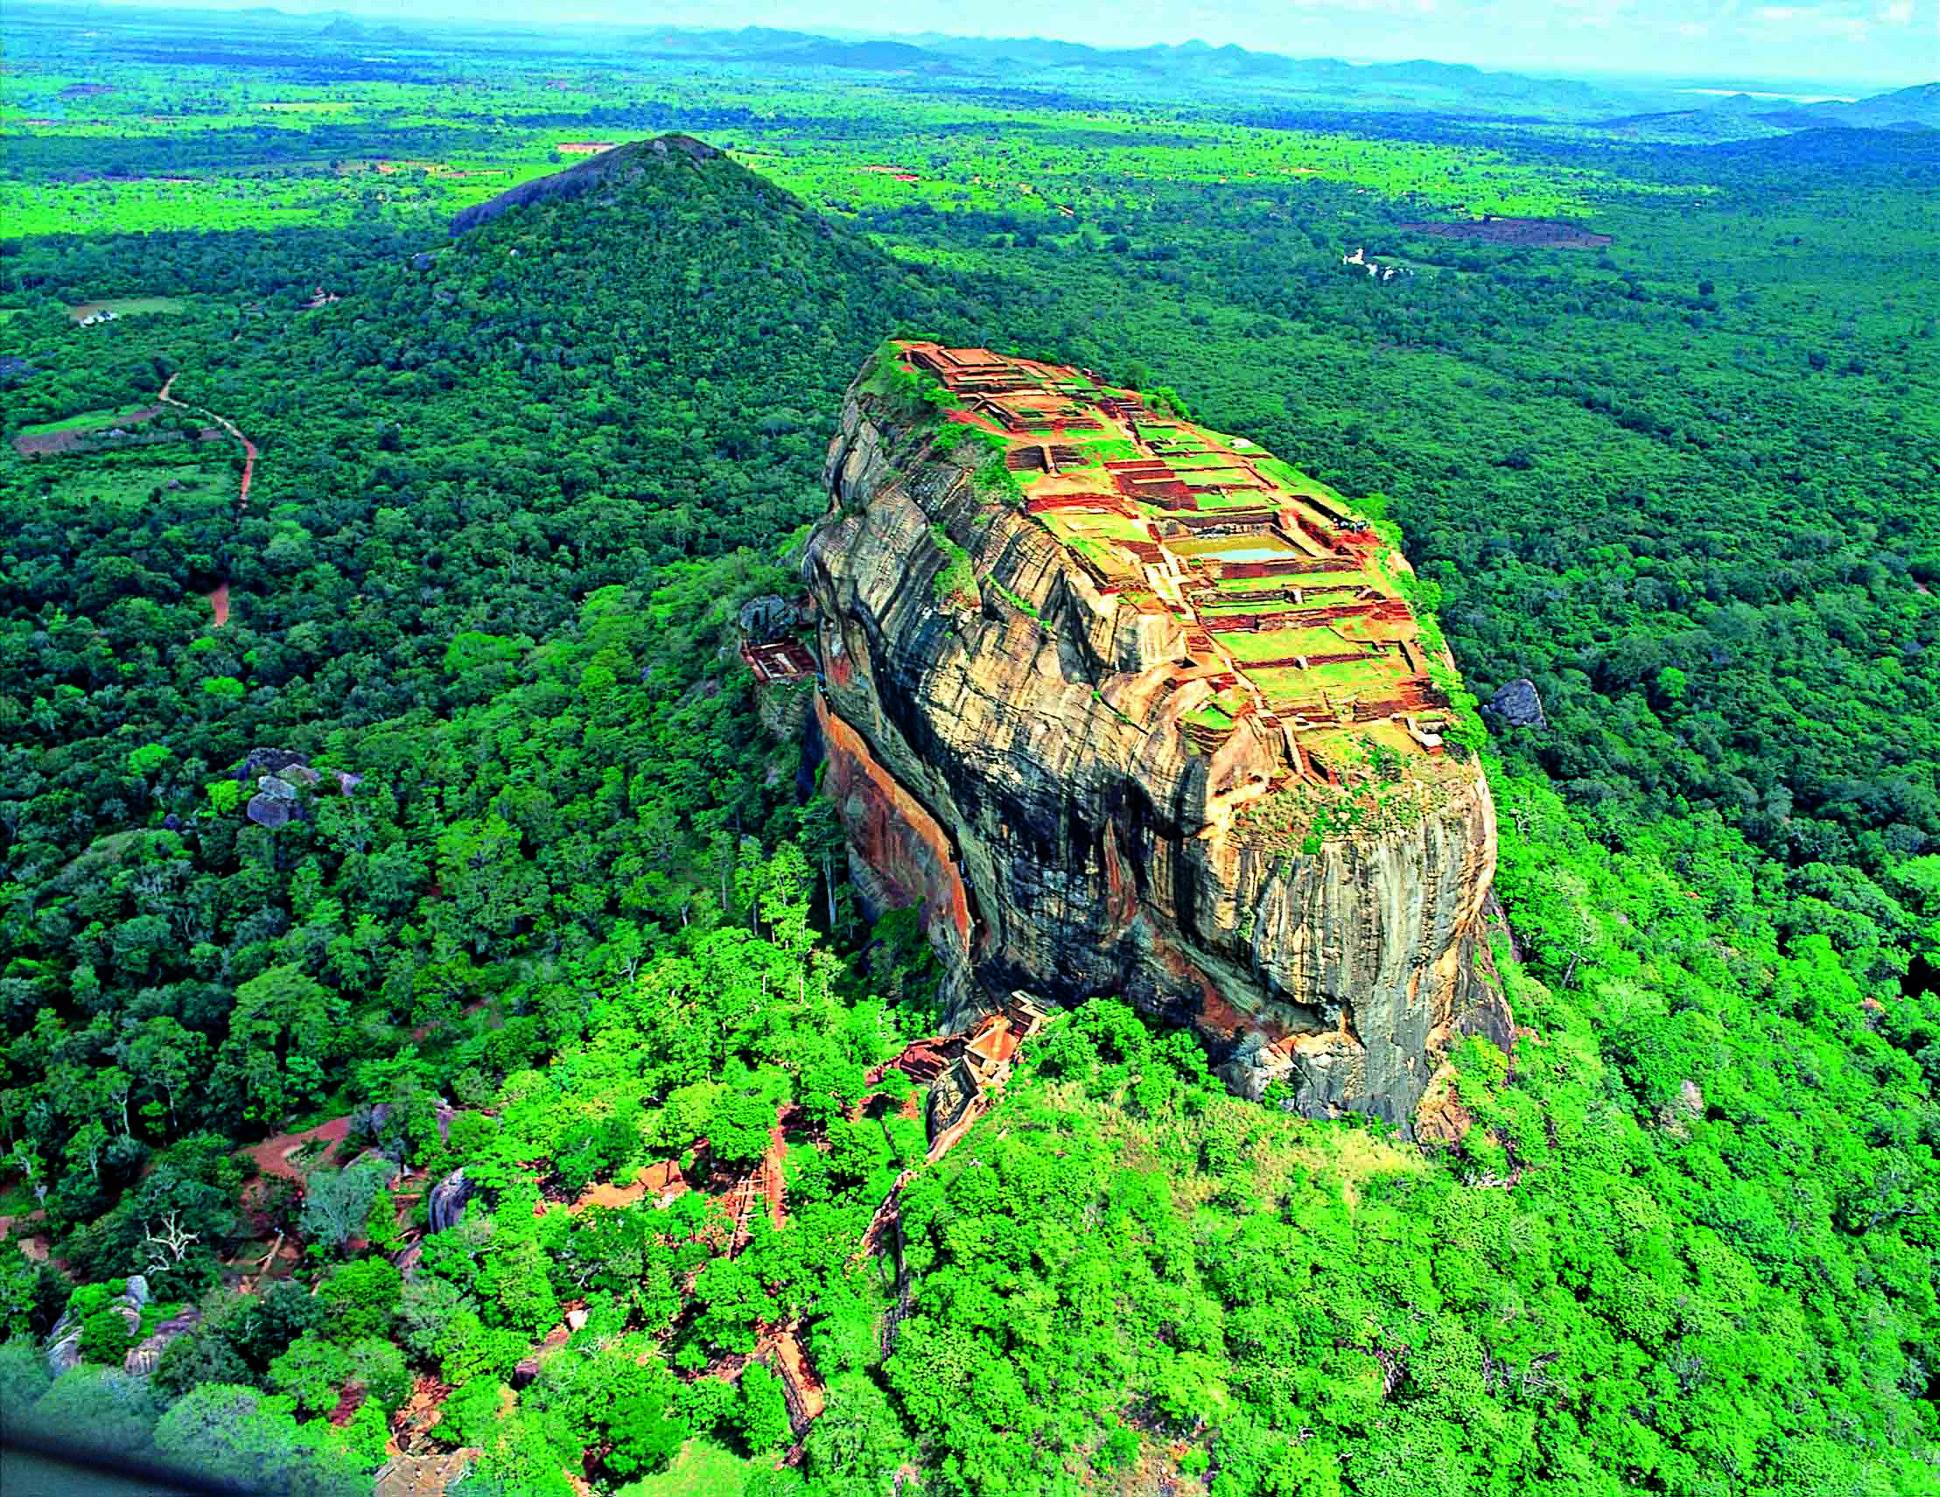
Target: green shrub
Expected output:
[468,1415]
[956,580]
[105,1338]
[361,1298]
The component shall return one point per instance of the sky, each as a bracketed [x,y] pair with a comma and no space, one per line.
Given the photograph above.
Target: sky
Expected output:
[1836,44]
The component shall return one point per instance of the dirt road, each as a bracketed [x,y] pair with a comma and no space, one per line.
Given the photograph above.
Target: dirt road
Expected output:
[219,599]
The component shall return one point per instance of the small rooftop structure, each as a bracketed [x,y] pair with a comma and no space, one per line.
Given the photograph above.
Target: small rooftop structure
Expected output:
[960,1094]
[992,1046]
[785,660]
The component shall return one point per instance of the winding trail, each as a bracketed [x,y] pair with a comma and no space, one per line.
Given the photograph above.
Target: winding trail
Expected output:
[219,599]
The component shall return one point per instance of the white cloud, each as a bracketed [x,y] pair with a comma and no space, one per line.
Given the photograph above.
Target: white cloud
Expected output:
[1808,20]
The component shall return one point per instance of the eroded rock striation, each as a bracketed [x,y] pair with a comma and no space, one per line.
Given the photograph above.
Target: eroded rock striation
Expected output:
[1132,707]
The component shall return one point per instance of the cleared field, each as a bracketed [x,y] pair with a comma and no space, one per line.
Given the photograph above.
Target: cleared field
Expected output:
[1069,526]
[93,421]
[126,306]
[1293,478]
[1220,712]
[94,431]
[1352,678]
[1241,587]
[1359,630]
[127,486]
[1106,557]
[1227,608]
[1238,499]
[1336,589]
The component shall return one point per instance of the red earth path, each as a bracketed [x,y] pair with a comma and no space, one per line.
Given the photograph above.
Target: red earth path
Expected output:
[272,1154]
[219,599]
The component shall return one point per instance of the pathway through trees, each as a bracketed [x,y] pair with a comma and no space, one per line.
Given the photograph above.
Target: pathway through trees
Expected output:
[272,1155]
[219,599]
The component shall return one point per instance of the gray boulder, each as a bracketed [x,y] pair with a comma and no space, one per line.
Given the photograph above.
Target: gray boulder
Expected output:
[1517,705]
[64,1341]
[448,1199]
[64,1345]
[274,804]
[143,1359]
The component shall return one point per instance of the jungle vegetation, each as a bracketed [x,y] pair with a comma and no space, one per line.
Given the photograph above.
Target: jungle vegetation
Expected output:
[575,908]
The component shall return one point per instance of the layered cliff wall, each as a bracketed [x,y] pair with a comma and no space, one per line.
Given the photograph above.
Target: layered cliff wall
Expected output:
[1132,708]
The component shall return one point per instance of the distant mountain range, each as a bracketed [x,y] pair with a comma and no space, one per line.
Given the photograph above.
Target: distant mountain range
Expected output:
[1034,63]
[1233,74]
[1916,108]
[1748,117]
[1642,109]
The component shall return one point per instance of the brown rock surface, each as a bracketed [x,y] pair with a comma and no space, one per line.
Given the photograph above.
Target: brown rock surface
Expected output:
[1027,756]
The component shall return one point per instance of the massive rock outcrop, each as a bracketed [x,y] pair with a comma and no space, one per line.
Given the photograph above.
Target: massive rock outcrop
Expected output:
[1133,708]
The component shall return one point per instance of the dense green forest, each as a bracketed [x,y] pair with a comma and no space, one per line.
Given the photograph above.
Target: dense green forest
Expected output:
[550,902]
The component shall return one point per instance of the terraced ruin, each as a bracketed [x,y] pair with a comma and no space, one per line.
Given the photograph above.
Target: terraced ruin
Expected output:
[1291,604]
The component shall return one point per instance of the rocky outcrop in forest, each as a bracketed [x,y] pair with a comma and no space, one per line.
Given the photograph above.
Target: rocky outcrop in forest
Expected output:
[621,164]
[1039,720]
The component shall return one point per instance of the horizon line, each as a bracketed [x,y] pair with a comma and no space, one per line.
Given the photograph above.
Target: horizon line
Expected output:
[407,15]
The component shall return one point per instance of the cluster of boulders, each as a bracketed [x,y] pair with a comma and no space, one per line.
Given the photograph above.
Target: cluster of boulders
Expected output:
[772,617]
[280,775]
[64,1341]
[147,1356]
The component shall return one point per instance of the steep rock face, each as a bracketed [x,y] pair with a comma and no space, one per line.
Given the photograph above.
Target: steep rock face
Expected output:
[1015,746]
[899,853]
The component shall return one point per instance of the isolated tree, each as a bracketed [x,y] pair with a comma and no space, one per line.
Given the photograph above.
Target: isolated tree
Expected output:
[336,1203]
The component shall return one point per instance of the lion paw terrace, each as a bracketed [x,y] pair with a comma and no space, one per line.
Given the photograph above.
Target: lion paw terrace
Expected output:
[1287,603]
